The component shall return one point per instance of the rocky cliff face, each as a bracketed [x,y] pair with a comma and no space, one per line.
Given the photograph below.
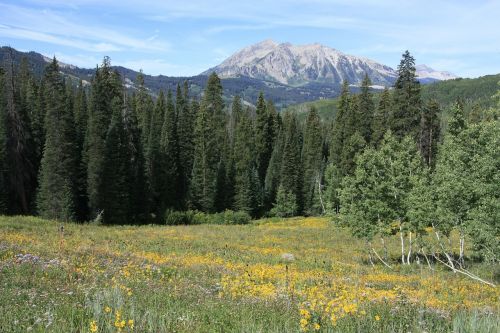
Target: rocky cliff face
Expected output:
[301,64]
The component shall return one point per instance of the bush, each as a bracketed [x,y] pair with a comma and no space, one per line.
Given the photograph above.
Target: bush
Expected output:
[195,217]
[238,217]
[179,218]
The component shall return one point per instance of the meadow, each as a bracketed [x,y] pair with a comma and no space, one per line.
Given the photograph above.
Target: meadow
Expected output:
[291,275]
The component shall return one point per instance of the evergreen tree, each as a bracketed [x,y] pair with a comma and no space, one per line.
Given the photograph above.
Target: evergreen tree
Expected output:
[205,163]
[291,171]
[106,85]
[365,110]
[407,104]
[81,116]
[170,150]
[57,194]
[429,132]
[338,130]
[136,178]
[3,148]
[273,174]
[185,129]
[246,182]
[115,190]
[312,163]
[21,170]
[155,157]
[264,136]
[381,117]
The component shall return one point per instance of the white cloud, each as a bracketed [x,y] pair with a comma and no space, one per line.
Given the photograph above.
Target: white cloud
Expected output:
[52,27]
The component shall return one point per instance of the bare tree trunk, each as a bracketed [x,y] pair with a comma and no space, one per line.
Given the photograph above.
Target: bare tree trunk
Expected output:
[426,259]
[452,266]
[320,195]
[409,250]
[385,248]
[369,247]
[402,243]
[462,248]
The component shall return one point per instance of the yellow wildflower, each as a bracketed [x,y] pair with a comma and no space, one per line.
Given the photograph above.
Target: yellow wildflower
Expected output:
[131,323]
[377,317]
[107,309]
[317,326]
[93,326]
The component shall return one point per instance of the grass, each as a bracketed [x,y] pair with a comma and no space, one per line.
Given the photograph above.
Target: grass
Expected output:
[224,278]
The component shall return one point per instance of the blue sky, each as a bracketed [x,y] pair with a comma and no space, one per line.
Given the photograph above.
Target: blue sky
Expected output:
[187,37]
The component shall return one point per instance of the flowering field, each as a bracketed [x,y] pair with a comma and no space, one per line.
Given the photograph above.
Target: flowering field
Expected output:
[302,274]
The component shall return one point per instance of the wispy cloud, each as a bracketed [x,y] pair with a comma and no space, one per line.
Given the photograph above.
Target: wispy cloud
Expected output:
[52,27]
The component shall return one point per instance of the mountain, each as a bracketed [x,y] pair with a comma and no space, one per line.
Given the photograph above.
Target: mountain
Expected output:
[427,75]
[298,65]
[309,73]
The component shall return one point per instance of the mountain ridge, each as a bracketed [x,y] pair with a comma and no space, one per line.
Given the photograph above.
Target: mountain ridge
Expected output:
[298,65]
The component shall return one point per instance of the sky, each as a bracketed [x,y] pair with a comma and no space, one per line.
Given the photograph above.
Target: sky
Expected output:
[184,38]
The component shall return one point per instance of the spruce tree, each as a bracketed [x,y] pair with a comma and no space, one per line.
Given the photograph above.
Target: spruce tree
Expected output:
[115,190]
[273,174]
[137,181]
[3,148]
[407,104]
[169,146]
[263,136]
[185,129]
[106,85]
[381,117]
[155,157]
[205,163]
[429,132]
[58,174]
[21,170]
[245,167]
[312,161]
[338,130]
[291,170]
[365,110]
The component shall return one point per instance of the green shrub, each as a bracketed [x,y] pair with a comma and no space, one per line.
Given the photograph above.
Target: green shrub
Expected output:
[196,217]
[179,218]
[238,217]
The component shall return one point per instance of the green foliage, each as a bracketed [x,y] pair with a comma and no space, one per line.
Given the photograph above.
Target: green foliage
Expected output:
[381,117]
[191,217]
[466,181]
[429,132]
[56,196]
[106,85]
[291,171]
[286,203]
[407,103]
[246,177]
[312,161]
[377,193]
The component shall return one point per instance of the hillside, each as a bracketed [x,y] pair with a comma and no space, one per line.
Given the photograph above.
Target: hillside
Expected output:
[472,91]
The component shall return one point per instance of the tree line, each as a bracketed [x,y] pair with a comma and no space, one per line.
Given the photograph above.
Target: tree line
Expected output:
[77,153]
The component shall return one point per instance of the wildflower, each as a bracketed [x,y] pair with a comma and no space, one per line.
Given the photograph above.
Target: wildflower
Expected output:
[130,324]
[93,326]
[107,309]
[377,317]
[317,326]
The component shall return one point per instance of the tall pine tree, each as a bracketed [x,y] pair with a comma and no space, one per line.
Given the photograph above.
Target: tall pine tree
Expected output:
[312,160]
[106,85]
[407,104]
[59,168]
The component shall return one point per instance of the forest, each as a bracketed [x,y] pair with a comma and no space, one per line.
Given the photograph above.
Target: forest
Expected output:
[385,165]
